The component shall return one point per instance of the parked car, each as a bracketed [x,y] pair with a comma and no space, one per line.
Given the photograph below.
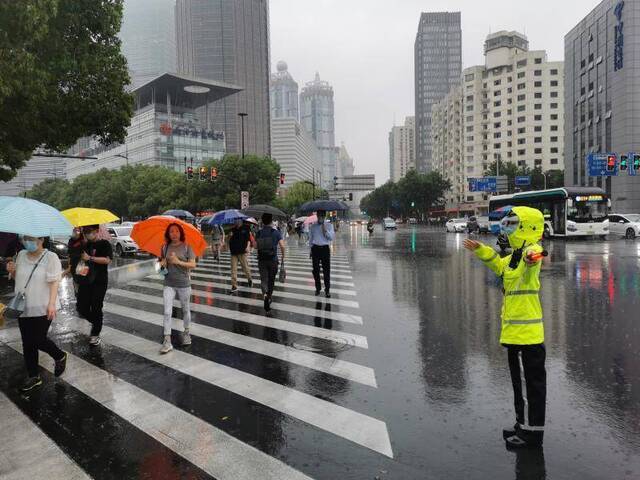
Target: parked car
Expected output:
[121,240]
[413,220]
[456,225]
[483,224]
[60,246]
[389,224]
[626,224]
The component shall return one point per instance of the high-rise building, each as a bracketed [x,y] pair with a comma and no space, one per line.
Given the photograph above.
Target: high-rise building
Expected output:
[402,149]
[438,63]
[345,162]
[36,170]
[294,149]
[148,38]
[228,41]
[283,93]
[509,110]
[602,97]
[317,118]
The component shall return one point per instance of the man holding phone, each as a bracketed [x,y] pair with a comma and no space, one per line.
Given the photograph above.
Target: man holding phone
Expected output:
[321,234]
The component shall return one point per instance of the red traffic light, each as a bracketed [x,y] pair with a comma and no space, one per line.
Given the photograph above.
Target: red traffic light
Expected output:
[282,179]
[203,173]
[611,162]
[214,173]
[189,173]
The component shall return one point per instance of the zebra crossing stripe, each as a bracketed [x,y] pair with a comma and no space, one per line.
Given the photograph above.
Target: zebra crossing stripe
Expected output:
[284,307]
[287,285]
[358,428]
[338,368]
[300,256]
[308,278]
[209,448]
[281,294]
[305,265]
[300,270]
[22,441]
[336,336]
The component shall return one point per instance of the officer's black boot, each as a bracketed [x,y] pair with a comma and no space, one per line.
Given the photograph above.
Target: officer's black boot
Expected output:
[510,432]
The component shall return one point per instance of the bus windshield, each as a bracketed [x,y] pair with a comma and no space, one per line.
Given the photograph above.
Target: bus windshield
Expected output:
[587,212]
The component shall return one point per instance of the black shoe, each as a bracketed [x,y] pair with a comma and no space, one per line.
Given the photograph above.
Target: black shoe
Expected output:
[31,383]
[61,365]
[234,289]
[327,294]
[524,439]
[318,292]
[250,283]
[510,432]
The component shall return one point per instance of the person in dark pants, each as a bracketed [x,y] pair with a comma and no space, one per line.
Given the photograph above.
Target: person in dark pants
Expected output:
[321,234]
[75,248]
[37,273]
[93,286]
[266,242]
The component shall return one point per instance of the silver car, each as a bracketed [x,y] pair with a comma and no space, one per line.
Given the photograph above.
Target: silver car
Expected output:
[456,225]
[121,240]
[625,224]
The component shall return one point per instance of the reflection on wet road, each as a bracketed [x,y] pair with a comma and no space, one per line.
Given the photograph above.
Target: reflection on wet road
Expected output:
[398,376]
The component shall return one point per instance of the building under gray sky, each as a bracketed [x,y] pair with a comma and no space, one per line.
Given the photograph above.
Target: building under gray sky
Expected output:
[438,63]
[148,38]
[228,41]
[283,93]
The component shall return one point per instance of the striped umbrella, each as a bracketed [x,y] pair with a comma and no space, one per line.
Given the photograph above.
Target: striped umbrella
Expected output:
[30,217]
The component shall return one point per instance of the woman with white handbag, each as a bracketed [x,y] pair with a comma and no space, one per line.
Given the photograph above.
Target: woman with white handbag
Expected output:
[37,273]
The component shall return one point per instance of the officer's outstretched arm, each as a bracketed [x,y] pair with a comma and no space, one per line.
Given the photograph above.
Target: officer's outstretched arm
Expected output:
[491,259]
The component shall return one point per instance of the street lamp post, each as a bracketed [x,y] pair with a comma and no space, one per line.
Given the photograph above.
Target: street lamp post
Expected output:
[242,115]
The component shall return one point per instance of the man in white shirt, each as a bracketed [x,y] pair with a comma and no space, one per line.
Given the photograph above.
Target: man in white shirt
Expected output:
[321,235]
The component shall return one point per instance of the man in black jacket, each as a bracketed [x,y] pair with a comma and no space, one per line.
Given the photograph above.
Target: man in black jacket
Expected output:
[238,244]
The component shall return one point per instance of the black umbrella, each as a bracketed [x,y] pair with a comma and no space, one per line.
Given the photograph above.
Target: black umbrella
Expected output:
[256,211]
[325,205]
[179,214]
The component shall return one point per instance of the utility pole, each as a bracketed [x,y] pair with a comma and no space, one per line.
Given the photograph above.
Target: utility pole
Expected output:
[242,115]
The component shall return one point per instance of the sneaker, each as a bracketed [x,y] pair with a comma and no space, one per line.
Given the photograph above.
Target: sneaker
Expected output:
[510,432]
[234,289]
[327,294]
[60,365]
[94,341]
[524,439]
[31,383]
[250,283]
[166,346]
[317,292]
[186,338]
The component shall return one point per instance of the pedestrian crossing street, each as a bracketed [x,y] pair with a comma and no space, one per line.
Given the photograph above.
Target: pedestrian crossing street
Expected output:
[256,396]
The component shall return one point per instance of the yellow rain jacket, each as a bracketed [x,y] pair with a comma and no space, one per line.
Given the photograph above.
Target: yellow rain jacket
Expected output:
[521,309]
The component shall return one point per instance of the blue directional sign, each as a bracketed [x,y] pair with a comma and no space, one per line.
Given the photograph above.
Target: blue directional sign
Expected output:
[523,181]
[602,164]
[484,184]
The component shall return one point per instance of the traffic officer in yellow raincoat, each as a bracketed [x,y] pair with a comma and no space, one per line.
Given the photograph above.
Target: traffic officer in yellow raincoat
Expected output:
[522,327]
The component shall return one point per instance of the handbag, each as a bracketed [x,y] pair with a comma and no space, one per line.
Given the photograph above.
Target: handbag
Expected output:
[164,271]
[16,305]
[84,274]
[282,274]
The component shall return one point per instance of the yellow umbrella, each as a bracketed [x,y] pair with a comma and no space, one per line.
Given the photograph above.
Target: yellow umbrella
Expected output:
[81,217]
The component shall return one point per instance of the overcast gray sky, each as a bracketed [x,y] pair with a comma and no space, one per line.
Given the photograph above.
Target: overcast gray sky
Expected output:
[364,48]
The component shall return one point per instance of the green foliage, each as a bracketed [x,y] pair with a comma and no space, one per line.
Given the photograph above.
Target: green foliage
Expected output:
[142,190]
[62,77]
[423,190]
[297,194]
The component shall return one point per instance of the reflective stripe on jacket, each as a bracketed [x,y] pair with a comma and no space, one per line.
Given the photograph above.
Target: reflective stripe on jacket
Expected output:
[521,310]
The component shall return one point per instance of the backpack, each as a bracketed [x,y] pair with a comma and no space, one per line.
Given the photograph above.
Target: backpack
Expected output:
[266,250]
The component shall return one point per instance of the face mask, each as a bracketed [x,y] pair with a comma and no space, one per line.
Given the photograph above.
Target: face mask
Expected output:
[509,224]
[90,236]
[30,245]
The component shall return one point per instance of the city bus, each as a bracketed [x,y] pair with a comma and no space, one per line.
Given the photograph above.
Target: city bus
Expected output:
[568,211]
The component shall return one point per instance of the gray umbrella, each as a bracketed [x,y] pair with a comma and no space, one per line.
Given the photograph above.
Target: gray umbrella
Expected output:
[256,211]
[325,205]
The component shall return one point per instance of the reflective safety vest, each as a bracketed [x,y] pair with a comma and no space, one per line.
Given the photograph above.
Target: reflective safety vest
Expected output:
[521,309]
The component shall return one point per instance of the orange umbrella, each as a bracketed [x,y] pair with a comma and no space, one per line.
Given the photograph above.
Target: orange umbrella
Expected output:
[149,235]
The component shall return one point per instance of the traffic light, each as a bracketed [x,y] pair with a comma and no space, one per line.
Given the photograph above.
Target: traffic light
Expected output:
[624,162]
[351,197]
[413,204]
[203,174]
[611,163]
[189,173]
[214,174]
[282,179]
[635,164]
[335,183]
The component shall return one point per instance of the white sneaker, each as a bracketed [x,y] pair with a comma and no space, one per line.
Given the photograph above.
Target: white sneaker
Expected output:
[166,347]
[94,341]
[186,338]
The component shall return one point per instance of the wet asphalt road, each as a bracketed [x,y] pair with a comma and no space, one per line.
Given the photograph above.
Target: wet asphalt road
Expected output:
[423,392]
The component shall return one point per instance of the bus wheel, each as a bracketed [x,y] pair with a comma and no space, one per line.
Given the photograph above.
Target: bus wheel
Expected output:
[630,234]
[546,233]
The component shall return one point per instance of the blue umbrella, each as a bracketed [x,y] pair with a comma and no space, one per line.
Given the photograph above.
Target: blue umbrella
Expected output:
[179,214]
[30,217]
[227,217]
